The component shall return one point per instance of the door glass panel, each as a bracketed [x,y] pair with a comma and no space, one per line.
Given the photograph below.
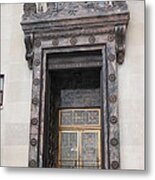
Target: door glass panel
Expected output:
[71,117]
[66,117]
[90,155]
[68,149]
[79,138]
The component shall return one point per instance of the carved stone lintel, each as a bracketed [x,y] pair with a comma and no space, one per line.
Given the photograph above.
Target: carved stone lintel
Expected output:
[29,50]
[29,9]
[120,43]
[59,10]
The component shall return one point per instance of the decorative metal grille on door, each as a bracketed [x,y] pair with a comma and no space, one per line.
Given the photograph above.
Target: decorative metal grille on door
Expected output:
[79,138]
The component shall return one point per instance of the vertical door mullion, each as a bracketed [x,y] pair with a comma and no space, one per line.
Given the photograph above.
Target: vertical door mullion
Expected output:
[99,148]
[78,149]
[59,150]
[81,161]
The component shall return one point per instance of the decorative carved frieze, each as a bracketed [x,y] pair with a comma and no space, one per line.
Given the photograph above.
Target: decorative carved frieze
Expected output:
[61,10]
[115,165]
[36,82]
[33,141]
[33,163]
[37,42]
[113,98]
[29,9]
[113,119]
[111,57]
[36,62]
[34,121]
[114,142]
[73,41]
[92,39]
[98,18]
[112,77]
[55,42]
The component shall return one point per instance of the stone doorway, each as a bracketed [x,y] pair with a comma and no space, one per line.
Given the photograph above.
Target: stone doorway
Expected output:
[89,38]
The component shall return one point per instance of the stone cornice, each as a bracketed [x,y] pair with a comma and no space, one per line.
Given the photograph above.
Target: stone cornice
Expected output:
[61,20]
[72,10]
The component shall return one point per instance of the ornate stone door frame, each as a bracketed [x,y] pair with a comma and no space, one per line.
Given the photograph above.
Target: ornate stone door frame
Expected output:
[96,27]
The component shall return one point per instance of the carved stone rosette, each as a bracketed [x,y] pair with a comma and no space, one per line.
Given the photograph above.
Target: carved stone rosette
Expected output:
[76,26]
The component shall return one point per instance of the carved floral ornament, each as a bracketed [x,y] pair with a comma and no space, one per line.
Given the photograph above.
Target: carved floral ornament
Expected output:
[72,9]
[112,19]
[74,25]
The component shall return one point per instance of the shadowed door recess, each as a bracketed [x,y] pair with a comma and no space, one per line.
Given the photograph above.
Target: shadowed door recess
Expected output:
[74,101]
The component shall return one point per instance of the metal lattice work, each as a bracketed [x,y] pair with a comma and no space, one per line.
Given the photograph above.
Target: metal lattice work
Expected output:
[79,139]
[79,117]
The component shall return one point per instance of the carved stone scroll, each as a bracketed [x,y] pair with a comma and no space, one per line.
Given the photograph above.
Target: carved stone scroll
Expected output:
[120,32]
[29,49]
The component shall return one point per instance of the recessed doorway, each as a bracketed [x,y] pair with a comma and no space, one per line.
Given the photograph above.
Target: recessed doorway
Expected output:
[73,126]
